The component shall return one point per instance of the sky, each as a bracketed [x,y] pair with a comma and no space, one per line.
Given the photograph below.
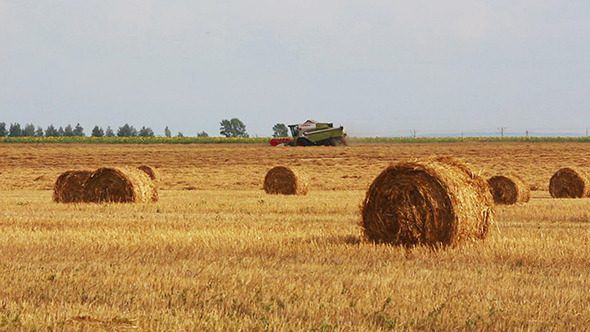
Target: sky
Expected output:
[377,67]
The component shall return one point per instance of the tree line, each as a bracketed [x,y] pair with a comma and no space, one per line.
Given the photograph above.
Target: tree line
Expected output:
[228,128]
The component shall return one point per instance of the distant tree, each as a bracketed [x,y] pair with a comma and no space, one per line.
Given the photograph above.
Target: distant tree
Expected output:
[180,134]
[15,130]
[127,131]
[167,132]
[202,134]
[233,128]
[60,131]
[280,130]
[29,130]
[146,132]
[68,131]
[51,131]
[109,132]
[3,131]
[79,131]
[39,132]
[97,132]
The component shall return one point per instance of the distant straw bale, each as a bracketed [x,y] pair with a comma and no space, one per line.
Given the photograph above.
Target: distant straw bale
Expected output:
[154,175]
[123,184]
[509,189]
[569,183]
[152,172]
[435,201]
[285,181]
[69,186]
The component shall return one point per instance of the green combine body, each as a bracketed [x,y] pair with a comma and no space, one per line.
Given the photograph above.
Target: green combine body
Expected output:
[317,133]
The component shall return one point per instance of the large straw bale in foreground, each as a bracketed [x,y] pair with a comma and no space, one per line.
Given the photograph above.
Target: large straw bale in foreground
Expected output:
[285,181]
[434,201]
[123,184]
[569,183]
[69,186]
[509,190]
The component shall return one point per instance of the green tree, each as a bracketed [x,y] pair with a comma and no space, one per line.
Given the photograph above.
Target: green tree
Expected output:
[109,132]
[167,132]
[39,132]
[60,131]
[180,134]
[79,131]
[280,130]
[127,131]
[202,134]
[3,131]
[97,132]
[146,132]
[233,128]
[15,130]
[68,131]
[51,131]
[29,130]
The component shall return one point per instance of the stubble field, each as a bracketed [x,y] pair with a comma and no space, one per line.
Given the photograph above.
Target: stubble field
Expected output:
[217,253]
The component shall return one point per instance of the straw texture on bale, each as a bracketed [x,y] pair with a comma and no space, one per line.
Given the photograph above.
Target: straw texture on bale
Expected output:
[435,201]
[569,183]
[152,172]
[285,181]
[509,190]
[124,184]
[154,175]
[69,186]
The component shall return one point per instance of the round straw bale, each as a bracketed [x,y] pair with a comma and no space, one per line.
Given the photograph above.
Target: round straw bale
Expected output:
[285,181]
[123,184]
[435,201]
[69,186]
[152,172]
[509,190]
[569,183]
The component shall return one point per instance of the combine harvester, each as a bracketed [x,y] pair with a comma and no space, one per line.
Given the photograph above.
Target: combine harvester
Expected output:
[313,133]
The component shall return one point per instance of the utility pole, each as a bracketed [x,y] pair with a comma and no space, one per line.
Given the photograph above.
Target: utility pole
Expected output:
[502,131]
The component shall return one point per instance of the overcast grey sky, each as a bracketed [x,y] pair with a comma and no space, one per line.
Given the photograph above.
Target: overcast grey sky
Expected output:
[380,68]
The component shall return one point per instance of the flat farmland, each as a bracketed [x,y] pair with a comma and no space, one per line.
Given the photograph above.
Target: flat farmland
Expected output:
[217,253]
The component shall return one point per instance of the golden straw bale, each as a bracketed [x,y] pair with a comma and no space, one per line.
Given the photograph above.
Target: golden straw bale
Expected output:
[434,201]
[122,184]
[509,190]
[569,183]
[69,186]
[285,181]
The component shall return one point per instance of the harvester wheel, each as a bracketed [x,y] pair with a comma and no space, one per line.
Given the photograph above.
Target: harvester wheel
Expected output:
[303,142]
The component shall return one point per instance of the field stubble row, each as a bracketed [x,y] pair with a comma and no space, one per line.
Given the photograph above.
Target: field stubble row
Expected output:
[243,166]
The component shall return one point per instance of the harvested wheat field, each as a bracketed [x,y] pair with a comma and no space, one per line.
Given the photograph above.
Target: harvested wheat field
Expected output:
[217,253]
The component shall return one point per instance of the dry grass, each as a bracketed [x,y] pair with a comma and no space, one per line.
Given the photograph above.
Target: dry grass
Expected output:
[237,258]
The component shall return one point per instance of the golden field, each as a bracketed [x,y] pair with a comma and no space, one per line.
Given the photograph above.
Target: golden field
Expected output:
[217,253]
